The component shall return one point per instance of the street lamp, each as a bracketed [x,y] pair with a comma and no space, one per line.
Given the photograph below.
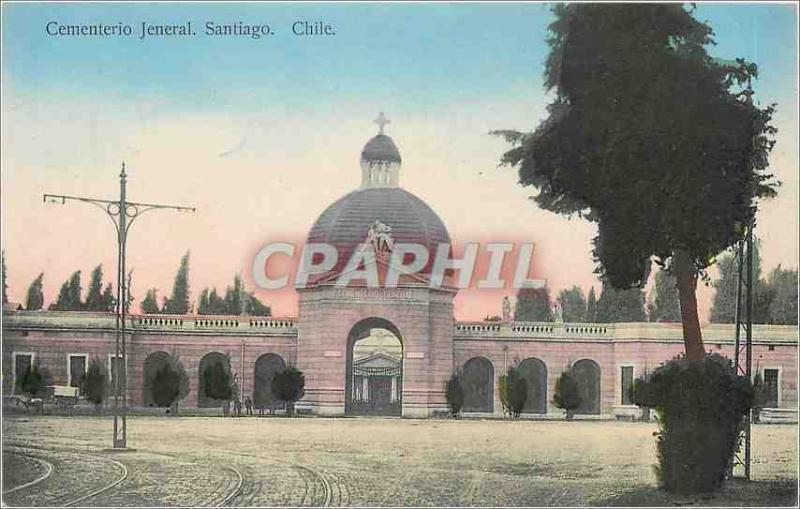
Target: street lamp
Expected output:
[122,214]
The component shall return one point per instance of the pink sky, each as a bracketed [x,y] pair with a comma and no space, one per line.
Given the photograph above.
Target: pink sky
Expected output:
[254,181]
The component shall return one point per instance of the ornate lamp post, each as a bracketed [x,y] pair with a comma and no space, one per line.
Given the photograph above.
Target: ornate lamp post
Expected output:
[122,214]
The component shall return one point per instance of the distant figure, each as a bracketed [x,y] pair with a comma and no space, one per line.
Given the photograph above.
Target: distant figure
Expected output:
[237,407]
[248,404]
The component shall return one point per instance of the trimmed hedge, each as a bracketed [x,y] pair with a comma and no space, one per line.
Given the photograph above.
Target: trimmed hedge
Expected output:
[701,409]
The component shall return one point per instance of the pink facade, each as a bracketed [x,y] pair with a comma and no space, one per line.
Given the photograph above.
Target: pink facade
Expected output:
[434,346]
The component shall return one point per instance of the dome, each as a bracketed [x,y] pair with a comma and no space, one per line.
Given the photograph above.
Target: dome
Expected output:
[381,148]
[346,222]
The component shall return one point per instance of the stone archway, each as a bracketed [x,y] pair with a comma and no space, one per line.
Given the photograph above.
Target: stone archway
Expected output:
[153,363]
[534,371]
[267,366]
[478,382]
[374,369]
[210,362]
[586,374]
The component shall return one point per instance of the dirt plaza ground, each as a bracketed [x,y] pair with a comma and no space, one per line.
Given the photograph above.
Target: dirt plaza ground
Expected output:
[212,461]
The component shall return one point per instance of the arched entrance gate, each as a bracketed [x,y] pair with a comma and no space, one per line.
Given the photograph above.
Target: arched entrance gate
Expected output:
[374,369]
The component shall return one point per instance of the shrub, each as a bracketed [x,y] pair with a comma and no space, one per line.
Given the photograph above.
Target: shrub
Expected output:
[166,386]
[289,386]
[217,382]
[701,408]
[566,394]
[513,391]
[454,394]
[94,383]
[502,388]
[34,381]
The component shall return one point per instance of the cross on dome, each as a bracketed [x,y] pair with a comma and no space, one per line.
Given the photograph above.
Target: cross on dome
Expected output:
[382,122]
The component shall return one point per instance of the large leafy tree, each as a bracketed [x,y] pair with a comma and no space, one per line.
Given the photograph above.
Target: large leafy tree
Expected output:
[650,138]
[34,299]
[178,302]
[573,304]
[533,305]
[665,306]
[620,305]
[69,296]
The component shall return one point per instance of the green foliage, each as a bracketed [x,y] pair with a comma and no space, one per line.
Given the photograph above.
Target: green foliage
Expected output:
[591,306]
[256,307]
[782,309]
[573,305]
[237,301]
[701,408]
[567,396]
[454,394]
[649,137]
[94,383]
[149,305]
[69,296]
[94,297]
[620,305]
[3,269]
[665,306]
[533,305]
[165,386]
[217,382]
[34,381]
[289,386]
[774,298]
[513,391]
[178,302]
[723,308]
[34,299]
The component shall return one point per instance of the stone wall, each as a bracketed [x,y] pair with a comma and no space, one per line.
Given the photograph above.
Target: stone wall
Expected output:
[433,346]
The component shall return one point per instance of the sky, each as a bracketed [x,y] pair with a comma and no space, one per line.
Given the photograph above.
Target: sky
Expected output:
[260,135]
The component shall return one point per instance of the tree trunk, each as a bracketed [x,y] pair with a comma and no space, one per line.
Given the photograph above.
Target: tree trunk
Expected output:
[686,281]
[570,414]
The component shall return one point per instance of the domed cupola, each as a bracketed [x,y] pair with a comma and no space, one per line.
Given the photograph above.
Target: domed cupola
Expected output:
[346,223]
[380,159]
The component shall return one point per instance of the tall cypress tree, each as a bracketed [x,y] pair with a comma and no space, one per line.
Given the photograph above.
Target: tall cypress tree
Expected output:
[108,300]
[69,296]
[573,304]
[94,298]
[783,308]
[34,300]
[178,302]
[591,306]
[620,305]
[723,307]
[533,305]
[150,303]
[665,306]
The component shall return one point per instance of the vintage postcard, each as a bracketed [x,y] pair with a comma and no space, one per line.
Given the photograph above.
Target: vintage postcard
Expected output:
[442,254]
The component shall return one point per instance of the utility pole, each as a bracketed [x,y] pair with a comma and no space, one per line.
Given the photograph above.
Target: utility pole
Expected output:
[122,213]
